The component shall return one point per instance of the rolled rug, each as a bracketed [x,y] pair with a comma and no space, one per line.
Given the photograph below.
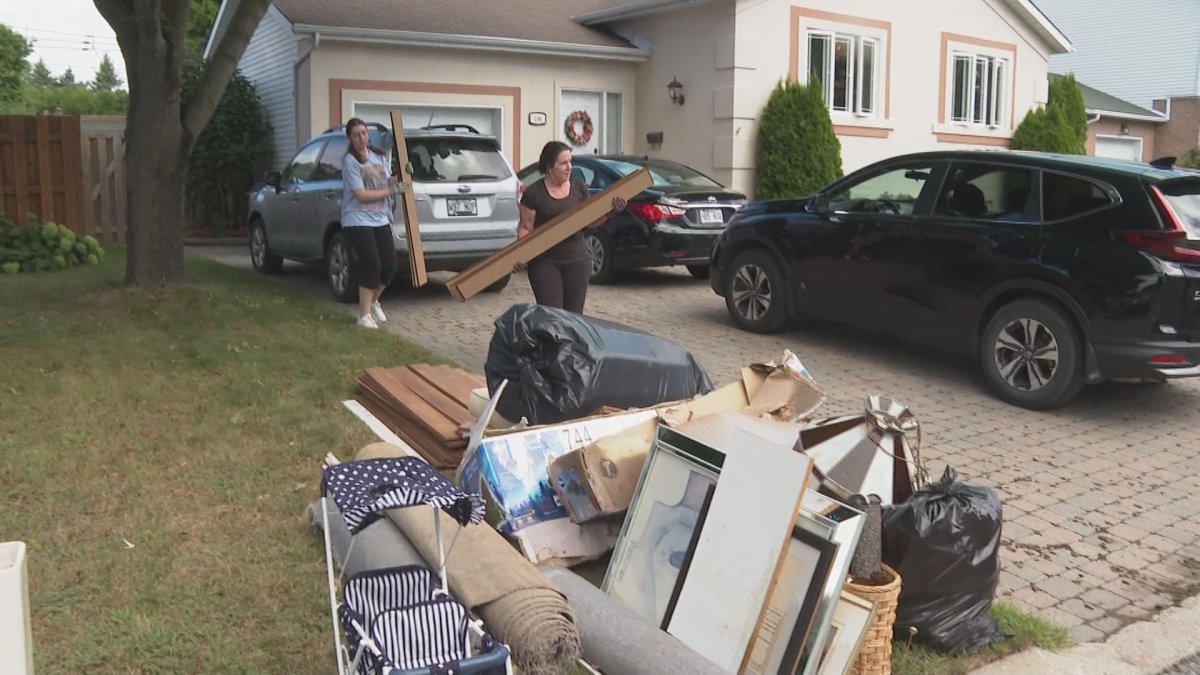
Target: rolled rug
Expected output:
[518,604]
[616,640]
[379,545]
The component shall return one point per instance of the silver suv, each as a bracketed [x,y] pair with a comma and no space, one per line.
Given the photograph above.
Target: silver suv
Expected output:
[465,190]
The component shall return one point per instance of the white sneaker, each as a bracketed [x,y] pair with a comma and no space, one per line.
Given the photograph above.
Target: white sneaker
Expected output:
[366,321]
[377,312]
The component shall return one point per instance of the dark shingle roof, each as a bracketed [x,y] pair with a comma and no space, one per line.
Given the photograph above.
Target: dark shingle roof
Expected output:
[1099,102]
[538,20]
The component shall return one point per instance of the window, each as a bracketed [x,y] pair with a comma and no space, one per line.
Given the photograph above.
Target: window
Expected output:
[300,169]
[1066,196]
[330,166]
[456,160]
[988,192]
[847,68]
[895,191]
[978,91]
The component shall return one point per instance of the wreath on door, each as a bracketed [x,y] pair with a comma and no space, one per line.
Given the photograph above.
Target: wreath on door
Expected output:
[578,127]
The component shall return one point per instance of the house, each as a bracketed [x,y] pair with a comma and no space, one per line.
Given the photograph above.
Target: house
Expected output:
[1148,57]
[898,77]
[1118,128]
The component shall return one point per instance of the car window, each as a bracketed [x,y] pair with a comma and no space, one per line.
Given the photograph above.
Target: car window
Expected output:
[329,167]
[585,174]
[1184,199]
[456,160]
[987,192]
[626,168]
[1065,196]
[679,174]
[300,169]
[893,191]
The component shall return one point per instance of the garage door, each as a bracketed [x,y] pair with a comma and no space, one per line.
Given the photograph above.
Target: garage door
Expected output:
[1119,147]
[485,120]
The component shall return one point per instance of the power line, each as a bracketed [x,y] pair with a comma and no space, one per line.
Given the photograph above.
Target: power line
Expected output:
[60,32]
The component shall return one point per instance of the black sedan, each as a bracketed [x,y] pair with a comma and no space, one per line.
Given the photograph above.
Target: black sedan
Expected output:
[1054,270]
[674,222]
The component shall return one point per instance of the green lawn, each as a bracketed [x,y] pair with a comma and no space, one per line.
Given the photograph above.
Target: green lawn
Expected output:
[159,449]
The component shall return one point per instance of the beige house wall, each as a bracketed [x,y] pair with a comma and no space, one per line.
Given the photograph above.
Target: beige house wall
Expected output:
[342,73]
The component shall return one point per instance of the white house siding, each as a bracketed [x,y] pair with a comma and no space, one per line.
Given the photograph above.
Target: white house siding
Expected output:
[1137,51]
[911,94]
[694,46]
[516,84]
[269,62]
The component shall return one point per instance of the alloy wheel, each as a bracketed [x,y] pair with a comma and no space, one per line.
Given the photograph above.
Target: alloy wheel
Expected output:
[1026,354]
[751,292]
[595,249]
[339,267]
[258,247]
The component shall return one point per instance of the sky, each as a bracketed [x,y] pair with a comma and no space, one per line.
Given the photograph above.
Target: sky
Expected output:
[65,34]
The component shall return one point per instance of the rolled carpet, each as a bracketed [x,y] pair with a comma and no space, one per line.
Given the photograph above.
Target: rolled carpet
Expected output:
[618,641]
[378,546]
[518,604]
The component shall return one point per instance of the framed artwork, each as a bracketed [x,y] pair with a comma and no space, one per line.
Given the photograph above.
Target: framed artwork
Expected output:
[851,618]
[658,535]
[792,604]
[843,525]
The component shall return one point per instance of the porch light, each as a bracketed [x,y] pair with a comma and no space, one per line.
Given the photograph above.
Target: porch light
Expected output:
[675,91]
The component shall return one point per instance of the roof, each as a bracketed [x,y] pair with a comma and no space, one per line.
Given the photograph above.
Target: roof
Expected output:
[1051,160]
[1100,103]
[533,20]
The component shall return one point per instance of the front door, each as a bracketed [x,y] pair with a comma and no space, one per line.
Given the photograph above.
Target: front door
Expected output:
[581,122]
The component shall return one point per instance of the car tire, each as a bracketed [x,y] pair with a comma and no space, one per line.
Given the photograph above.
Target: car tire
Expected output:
[756,293]
[600,252]
[339,271]
[260,250]
[499,284]
[698,271]
[1031,353]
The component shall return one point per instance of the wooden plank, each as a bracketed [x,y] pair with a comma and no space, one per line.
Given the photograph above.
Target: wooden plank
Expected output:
[486,272]
[454,410]
[20,179]
[416,252]
[420,409]
[45,182]
[73,174]
[454,382]
[438,456]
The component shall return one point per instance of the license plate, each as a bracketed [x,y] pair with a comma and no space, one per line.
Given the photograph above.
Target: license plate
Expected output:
[462,207]
[711,216]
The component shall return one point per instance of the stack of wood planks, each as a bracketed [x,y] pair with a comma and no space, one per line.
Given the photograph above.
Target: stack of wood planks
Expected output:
[425,405]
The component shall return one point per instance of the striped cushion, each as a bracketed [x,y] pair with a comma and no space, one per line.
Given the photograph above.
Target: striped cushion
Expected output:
[369,594]
[431,633]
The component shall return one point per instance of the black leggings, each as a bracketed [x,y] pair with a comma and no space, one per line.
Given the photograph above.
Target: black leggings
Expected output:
[560,284]
[374,254]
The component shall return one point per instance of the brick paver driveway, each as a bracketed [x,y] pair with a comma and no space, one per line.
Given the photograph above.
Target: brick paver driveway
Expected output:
[1101,525]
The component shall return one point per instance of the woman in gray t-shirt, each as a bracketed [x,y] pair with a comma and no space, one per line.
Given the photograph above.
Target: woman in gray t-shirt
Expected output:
[368,193]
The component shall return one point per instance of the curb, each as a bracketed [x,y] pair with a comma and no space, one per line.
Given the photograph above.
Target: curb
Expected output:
[215,241]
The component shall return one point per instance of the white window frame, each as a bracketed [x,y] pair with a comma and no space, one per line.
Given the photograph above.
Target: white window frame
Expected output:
[995,71]
[858,44]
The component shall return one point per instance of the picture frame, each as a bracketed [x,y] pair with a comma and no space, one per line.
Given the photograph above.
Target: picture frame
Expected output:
[657,538]
[851,619]
[842,524]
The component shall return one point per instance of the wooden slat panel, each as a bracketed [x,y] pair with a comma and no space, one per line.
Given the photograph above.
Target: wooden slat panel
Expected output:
[421,410]
[451,409]
[45,177]
[486,272]
[416,252]
[437,455]
[20,177]
[454,382]
[73,174]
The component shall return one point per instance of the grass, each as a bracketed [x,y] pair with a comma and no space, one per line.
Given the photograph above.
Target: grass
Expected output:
[1026,631]
[159,449]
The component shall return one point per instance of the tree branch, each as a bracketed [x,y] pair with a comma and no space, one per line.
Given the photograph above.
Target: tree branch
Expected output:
[221,66]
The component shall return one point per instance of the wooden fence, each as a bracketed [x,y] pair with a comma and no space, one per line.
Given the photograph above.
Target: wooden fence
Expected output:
[103,161]
[40,169]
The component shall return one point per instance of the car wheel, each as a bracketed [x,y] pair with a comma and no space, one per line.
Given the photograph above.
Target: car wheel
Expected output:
[599,249]
[260,250]
[698,271]
[755,292]
[338,270]
[499,284]
[1032,355]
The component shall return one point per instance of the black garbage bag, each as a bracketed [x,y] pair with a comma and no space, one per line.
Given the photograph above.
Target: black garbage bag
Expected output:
[561,365]
[945,543]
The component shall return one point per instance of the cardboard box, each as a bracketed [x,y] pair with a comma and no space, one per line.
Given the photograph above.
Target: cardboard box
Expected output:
[599,479]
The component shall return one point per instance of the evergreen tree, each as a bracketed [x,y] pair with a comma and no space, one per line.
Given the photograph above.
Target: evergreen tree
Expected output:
[40,76]
[106,76]
[1066,95]
[13,66]
[200,23]
[1060,126]
[797,149]
[67,79]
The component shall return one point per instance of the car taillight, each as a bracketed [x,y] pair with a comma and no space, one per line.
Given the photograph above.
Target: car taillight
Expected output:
[1169,244]
[520,189]
[655,212]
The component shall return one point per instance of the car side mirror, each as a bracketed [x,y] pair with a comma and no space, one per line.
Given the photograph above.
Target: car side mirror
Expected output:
[820,205]
[273,178]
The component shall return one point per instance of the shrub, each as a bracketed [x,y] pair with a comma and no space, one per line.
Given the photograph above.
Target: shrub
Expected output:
[797,149]
[45,246]
[1060,126]
[1191,159]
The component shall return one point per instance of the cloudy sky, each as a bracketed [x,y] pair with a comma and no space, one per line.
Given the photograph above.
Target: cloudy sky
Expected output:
[65,34]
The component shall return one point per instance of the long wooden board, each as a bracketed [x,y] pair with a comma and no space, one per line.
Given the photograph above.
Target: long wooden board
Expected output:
[416,252]
[488,271]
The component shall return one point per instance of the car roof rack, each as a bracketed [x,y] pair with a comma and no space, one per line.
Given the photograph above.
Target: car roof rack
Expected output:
[376,125]
[451,127]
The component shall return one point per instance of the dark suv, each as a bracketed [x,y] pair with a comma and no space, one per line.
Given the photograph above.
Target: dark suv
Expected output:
[464,188]
[1054,270]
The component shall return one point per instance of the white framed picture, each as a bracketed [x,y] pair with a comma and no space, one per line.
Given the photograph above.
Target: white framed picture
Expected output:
[852,617]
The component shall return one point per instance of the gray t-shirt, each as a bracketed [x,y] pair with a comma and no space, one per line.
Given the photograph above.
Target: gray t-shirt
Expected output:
[372,175]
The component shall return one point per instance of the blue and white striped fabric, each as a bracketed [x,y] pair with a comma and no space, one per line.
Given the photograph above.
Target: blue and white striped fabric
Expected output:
[363,489]
[429,634]
[368,594]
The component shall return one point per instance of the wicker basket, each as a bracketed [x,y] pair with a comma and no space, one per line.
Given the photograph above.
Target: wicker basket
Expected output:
[875,655]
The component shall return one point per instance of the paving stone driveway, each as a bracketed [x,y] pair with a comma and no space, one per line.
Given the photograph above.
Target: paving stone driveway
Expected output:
[1101,524]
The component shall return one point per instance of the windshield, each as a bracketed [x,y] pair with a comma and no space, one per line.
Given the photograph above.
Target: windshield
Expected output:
[456,160]
[1184,198]
[663,172]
